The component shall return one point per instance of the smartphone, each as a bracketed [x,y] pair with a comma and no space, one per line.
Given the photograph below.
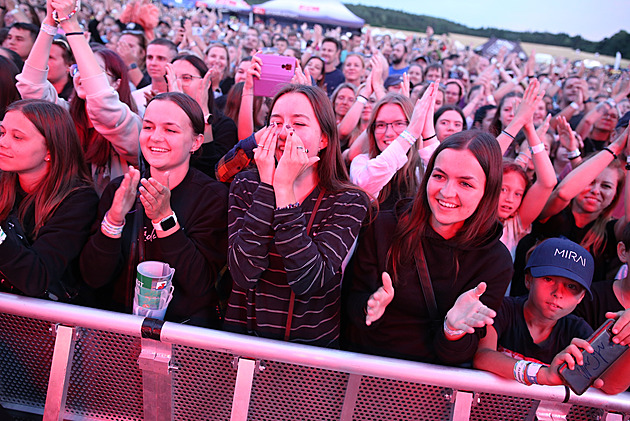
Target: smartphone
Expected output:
[276,71]
[606,353]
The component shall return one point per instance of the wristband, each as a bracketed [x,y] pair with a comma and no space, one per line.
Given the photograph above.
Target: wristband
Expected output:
[289,206]
[574,106]
[490,98]
[451,332]
[3,235]
[110,229]
[628,160]
[431,137]
[48,29]
[537,148]
[507,134]
[611,152]
[408,137]
[574,154]
[531,374]
[520,368]
[363,100]
[69,34]
[611,102]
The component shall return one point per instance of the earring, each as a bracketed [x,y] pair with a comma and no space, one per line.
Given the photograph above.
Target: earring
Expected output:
[47,159]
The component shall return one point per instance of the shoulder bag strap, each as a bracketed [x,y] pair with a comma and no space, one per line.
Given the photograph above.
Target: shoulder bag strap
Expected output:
[427,287]
[287,329]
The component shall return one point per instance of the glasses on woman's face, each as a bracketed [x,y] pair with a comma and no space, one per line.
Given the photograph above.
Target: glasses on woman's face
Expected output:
[380,127]
[187,79]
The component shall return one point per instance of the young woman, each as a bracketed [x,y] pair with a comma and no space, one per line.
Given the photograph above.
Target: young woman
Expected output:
[102,109]
[451,230]
[354,69]
[315,66]
[449,119]
[179,219]
[291,225]
[392,169]
[342,99]
[218,62]
[47,204]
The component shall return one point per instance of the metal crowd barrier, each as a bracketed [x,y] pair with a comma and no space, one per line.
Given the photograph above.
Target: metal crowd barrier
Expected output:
[73,363]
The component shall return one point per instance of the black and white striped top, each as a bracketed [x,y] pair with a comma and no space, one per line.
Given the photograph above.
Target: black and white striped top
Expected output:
[271,253]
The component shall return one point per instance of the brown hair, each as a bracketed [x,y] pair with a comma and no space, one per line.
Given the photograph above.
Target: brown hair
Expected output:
[67,171]
[405,182]
[479,227]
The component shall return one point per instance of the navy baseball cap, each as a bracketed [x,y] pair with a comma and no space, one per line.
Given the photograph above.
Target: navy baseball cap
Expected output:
[562,257]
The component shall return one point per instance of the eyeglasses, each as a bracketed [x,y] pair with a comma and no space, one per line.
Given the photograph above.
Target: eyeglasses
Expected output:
[380,127]
[186,78]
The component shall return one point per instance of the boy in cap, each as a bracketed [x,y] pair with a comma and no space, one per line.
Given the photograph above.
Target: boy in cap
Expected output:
[528,340]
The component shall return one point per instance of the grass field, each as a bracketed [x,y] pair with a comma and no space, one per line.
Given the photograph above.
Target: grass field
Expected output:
[555,51]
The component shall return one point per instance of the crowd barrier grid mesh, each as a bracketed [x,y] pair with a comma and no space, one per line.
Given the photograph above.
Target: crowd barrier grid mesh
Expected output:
[106,380]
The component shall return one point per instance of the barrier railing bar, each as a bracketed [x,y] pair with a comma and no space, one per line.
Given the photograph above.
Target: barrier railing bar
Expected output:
[463,403]
[59,373]
[291,353]
[243,389]
[350,398]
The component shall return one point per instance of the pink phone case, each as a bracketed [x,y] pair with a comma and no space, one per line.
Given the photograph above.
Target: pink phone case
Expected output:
[276,71]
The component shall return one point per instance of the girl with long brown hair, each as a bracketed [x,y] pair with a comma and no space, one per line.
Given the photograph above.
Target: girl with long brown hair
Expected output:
[47,204]
[426,276]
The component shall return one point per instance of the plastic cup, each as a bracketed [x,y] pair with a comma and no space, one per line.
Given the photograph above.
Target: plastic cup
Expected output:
[154,275]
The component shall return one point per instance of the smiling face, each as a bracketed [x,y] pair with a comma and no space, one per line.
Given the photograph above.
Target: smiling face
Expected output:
[454,190]
[189,77]
[353,69]
[599,194]
[295,110]
[167,139]
[217,58]
[23,148]
[553,297]
[512,192]
[388,124]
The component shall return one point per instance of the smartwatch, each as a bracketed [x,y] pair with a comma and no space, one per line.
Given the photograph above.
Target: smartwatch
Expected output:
[165,224]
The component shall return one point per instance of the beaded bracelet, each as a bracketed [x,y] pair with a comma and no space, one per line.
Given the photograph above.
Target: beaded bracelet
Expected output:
[56,17]
[408,137]
[48,29]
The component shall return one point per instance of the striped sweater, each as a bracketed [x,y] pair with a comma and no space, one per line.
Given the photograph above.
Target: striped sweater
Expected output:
[270,254]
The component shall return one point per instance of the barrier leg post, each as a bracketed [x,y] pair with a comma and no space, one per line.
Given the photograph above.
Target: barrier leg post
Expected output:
[59,373]
[155,363]
[243,389]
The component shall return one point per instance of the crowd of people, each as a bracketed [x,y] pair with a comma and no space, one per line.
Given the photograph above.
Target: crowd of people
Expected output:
[400,197]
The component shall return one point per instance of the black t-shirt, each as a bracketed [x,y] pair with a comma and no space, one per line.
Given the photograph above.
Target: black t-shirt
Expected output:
[333,79]
[604,299]
[514,339]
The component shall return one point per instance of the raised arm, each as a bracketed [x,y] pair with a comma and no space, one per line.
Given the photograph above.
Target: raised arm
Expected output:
[539,192]
[524,113]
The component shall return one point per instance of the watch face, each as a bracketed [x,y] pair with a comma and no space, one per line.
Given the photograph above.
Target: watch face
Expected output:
[168,223]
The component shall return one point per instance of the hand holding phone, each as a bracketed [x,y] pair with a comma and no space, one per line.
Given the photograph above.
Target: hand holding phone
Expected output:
[606,352]
[276,71]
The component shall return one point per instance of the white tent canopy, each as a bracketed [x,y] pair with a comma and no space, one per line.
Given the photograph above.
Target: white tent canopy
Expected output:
[327,12]
[233,5]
